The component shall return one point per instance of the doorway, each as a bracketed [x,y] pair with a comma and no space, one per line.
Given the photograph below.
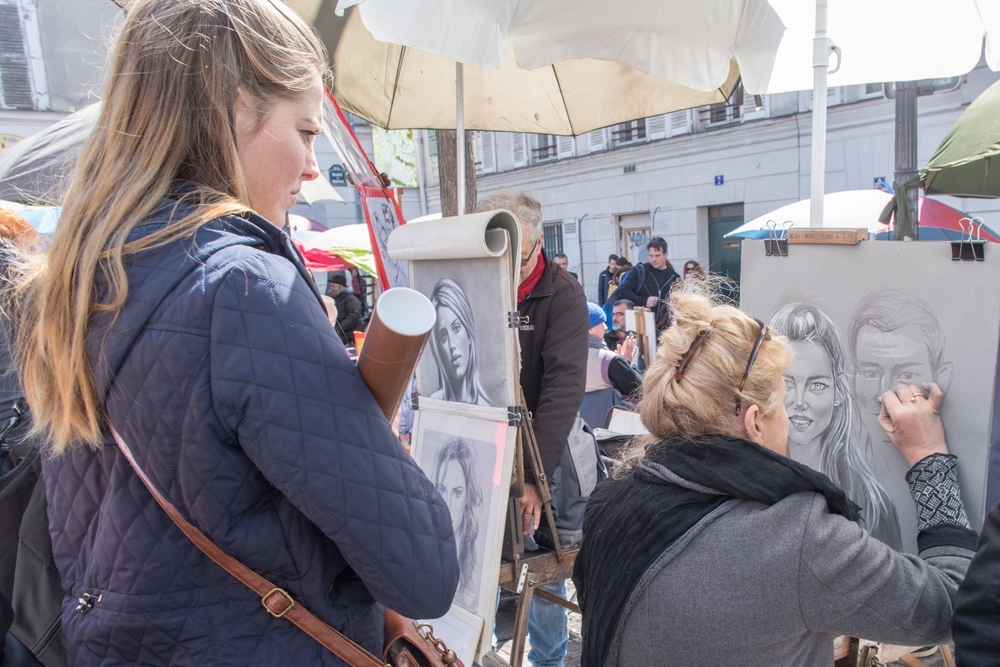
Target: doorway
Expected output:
[723,253]
[635,232]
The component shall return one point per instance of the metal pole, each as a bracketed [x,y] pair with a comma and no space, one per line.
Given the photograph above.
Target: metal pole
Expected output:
[821,64]
[460,137]
[906,144]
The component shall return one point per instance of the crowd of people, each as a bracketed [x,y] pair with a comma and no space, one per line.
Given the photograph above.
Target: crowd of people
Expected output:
[177,366]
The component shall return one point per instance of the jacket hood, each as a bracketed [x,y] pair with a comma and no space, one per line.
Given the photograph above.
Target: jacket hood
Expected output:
[153,274]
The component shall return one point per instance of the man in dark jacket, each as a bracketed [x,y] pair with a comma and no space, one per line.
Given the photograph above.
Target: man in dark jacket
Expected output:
[976,624]
[649,283]
[553,337]
[604,279]
[348,309]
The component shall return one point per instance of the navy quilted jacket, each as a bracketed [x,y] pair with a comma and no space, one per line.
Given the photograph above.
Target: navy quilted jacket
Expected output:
[234,392]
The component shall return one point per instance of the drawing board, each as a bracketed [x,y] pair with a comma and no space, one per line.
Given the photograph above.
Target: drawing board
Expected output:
[863,319]
[469,461]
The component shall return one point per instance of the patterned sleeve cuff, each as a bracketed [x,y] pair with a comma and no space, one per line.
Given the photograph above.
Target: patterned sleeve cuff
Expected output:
[934,486]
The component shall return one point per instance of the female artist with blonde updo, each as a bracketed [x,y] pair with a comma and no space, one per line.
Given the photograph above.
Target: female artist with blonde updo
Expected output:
[711,546]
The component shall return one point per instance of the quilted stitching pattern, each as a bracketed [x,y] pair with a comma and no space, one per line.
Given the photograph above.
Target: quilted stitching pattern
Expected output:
[240,403]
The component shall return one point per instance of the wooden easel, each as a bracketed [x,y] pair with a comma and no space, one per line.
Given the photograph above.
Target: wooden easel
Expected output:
[640,332]
[521,574]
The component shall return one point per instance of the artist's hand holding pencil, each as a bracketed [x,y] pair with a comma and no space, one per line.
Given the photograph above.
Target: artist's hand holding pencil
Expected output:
[912,420]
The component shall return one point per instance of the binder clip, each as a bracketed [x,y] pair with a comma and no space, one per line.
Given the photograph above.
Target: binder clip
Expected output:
[971,248]
[776,243]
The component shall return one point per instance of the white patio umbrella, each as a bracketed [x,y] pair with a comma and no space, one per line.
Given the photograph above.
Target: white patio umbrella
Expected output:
[407,76]
[780,45]
[850,209]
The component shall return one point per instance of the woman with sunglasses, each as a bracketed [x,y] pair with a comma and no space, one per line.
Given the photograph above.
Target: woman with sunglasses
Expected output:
[713,547]
[693,270]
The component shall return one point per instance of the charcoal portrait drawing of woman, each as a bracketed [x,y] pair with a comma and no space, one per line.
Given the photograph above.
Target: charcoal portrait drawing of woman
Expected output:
[453,344]
[824,428]
[455,478]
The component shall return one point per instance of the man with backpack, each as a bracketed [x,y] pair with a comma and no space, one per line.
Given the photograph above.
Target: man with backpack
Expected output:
[649,283]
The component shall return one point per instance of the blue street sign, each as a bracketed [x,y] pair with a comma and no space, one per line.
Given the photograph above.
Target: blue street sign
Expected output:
[720,179]
[338,176]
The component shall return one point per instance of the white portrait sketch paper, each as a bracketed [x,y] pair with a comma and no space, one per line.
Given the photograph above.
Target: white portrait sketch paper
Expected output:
[470,356]
[382,219]
[863,319]
[465,266]
[467,378]
[469,461]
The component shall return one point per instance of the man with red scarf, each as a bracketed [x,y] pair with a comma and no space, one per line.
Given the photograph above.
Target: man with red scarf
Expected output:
[553,337]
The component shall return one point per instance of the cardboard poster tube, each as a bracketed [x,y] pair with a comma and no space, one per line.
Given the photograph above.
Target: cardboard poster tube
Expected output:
[400,325]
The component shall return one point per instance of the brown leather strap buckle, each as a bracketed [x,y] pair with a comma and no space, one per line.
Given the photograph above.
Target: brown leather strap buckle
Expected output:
[449,657]
[277,613]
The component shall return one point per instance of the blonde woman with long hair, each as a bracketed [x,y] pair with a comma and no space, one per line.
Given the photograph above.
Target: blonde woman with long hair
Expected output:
[173,309]
[711,546]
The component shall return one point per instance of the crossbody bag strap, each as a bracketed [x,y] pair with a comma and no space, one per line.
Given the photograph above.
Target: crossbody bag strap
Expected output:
[276,601]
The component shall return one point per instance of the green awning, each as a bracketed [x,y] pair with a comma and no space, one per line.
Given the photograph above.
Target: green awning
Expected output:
[967,163]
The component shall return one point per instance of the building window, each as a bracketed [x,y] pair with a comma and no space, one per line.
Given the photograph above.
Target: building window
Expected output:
[722,113]
[547,148]
[15,77]
[730,111]
[871,90]
[552,238]
[629,133]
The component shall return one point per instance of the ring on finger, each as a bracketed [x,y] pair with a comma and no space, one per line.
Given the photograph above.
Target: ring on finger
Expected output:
[913,399]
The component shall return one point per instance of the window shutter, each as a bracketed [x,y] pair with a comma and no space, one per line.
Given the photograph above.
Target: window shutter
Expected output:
[566,146]
[488,152]
[833,96]
[680,122]
[477,152]
[519,148]
[656,127]
[750,110]
[596,140]
[15,79]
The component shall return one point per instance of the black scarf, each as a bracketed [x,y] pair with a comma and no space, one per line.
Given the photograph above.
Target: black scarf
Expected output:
[629,522]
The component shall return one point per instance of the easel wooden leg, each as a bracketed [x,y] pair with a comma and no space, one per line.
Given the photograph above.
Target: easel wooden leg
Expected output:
[913,662]
[556,600]
[513,540]
[519,578]
[521,623]
[541,482]
[949,659]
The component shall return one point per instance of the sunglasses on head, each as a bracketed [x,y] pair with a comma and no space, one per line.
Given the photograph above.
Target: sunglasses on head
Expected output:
[764,334]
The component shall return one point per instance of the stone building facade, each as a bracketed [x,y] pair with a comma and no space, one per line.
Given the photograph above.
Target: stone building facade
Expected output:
[694,175]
